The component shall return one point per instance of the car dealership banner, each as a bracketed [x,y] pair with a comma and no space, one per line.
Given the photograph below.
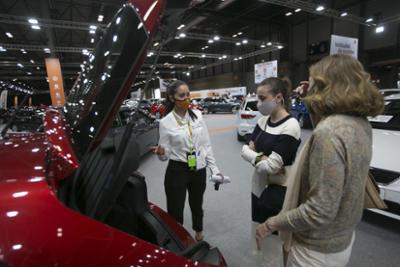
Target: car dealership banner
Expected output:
[221,92]
[265,70]
[344,45]
[56,84]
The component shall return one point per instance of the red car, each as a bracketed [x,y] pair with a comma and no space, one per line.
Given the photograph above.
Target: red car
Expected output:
[158,109]
[71,196]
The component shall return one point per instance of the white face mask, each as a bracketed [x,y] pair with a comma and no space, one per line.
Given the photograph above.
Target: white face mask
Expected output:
[266,107]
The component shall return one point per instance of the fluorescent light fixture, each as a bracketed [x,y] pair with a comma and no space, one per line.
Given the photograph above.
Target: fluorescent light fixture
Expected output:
[210,41]
[297,10]
[187,73]
[240,58]
[224,56]
[93,27]
[2,49]
[220,58]
[320,8]
[20,65]
[92,40]
[33,21]
[269,43]
[288,14]
[344,14]
[100,18]
[239,33]
[32,61]
[46,50]
[92,31]
[156,44]
[181,26]
[85,51]
[245,41]
[29,73]
[35,27]
[216,38]
[206,46]
[238,43]
[106,53]
[380,29]
[118,20]
[203,55]
[234,36]
[262,46]
[279,46]
[9,35]
[115,38]
[23,51]
[38,68]
[369,20]
[182,35]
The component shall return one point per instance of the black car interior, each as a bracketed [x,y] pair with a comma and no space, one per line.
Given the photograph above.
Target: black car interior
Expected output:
[106,187]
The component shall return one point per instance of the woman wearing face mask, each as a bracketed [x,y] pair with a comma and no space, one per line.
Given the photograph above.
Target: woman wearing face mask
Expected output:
[185,142]
[271,151]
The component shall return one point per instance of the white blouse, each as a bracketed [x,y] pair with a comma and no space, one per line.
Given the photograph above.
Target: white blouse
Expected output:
[174,138]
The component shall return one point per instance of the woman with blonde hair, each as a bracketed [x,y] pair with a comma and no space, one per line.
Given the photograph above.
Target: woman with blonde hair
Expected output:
[325,196]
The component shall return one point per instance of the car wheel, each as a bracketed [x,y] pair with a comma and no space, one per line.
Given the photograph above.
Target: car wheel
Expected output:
[301,120]
[240,138]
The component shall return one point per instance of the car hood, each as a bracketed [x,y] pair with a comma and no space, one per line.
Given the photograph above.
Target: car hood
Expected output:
[108,73]
[385,150]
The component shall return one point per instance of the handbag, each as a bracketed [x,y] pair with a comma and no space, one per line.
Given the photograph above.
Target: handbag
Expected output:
[270,202]
[372,199]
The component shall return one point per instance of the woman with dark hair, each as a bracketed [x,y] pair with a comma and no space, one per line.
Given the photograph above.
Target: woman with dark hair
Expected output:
[185,142]
[325,198]
[271,151]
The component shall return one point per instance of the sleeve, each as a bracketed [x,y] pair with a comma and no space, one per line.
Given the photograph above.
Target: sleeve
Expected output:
[326,180]
[248,154]
[272,165]
[209,152]
[286,147]
[164,141]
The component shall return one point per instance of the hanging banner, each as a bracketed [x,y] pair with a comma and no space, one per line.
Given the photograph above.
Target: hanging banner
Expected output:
[344,45]
[3,99]
[265,70]
[56,84]
[164,85]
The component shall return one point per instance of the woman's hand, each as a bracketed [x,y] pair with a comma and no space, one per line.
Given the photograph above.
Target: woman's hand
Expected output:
[158,150]
[302,89]
[265,229]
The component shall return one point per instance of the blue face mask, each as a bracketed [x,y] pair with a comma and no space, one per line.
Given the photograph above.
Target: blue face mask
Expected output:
[266,107]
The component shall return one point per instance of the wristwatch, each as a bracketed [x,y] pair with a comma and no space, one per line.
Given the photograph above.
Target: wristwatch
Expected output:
[258,157]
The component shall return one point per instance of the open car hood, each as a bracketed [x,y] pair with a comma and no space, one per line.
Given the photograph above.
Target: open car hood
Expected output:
[108,73]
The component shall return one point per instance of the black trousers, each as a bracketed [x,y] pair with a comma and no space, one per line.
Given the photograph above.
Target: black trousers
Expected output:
[178,180]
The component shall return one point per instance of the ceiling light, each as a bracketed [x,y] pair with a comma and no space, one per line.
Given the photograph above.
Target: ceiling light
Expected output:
[380,29]
[262,46]
[235,59]
[206,46]
[288,14]
[187,73]
[203,55]
[344,14]
[92,31]
[369,20]
[210,41]
[9,35]
[269,43]
[238,43]
[29,73]
[23,51]
[2,49]
[33,21]
[279,46]
[46,50]
[216,38]
[20,65]
[32,61]
[239,33]
[115,38]
[297,10]
[118,20]
[35,27]
[92,40]
[93,27]
[100,18]
[106,53]
[85,51]
[181,27]
[320,8]
[240,58]
[38,68]
[182,35]
[224,56]
[220,58]
[245,41]
[156,44]
[234,36]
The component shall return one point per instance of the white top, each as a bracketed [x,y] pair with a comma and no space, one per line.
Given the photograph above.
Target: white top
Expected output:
[174,138]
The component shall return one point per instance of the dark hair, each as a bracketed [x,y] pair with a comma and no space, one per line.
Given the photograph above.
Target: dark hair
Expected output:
[171,91]
[279,86]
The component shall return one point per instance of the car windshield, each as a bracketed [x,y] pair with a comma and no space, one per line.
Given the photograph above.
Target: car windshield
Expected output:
[390,120]
[251,106]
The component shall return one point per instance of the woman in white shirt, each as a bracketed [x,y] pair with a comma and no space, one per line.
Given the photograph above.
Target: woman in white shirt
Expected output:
[185,142]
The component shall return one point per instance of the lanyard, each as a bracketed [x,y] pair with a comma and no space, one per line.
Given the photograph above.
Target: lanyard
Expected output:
[190,131]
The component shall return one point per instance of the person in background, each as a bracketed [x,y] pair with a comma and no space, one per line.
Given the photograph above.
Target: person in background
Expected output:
[271,151]
[325,198]
[185,142]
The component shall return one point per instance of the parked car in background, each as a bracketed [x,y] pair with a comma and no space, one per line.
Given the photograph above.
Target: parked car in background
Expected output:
[158,109]
[385,165]
[196,105]
[71,195]
[217,104]
[299,111]
[388,92]
[145,104]
[145,127]
[247,118]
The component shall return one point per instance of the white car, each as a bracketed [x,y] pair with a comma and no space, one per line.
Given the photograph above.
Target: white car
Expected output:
[388,92]
[247,118]
[385,164]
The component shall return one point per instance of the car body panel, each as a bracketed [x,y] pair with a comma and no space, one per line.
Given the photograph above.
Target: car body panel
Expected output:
[246,125]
